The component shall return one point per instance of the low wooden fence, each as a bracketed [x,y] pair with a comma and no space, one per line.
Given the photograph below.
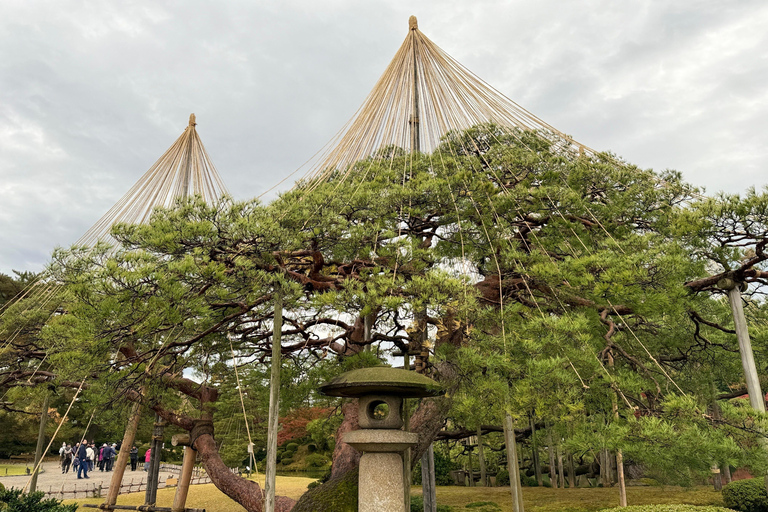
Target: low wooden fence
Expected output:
[93,490]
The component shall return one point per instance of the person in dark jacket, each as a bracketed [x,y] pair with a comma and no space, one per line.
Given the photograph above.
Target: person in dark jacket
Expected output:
[134,458]
[82,456]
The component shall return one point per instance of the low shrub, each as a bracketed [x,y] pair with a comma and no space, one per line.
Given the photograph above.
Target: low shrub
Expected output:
[315,460]
[443,468]
[417,505]
[746,495]
[292,447]
[286,461]
[502,479]
[13,500]
[287,455]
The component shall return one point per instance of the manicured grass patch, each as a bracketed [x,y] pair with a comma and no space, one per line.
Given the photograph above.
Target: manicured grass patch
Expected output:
[207,496]
[543,499]
[669,508]
[13,469]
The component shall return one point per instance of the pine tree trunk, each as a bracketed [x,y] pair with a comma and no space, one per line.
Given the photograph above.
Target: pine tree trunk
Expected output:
[535,452]
[571,472]
[560,469]
[122,458]
[716,478]
[605,468]
[725,470]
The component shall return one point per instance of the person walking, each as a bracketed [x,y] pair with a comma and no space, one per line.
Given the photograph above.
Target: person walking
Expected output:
[134,453]
[101,457]
[66,458]
[82,457]
[110,453]
[147,458]
[91,454]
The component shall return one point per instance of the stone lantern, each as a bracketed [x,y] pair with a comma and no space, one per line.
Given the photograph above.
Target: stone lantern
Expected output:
[380,392]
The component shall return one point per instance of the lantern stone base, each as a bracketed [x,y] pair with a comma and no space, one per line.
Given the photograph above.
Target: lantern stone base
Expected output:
[381,487]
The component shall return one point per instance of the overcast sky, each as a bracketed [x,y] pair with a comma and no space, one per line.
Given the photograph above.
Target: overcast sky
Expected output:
[93,92]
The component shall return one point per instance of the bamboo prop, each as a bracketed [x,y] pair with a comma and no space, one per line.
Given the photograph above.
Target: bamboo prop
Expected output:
[274,404]
[40,443]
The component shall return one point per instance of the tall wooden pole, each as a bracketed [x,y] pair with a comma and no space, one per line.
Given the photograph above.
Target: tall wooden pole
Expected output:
[756,399]
[40,444]
[414,125]
[513,466]
[125,448]
[274,403]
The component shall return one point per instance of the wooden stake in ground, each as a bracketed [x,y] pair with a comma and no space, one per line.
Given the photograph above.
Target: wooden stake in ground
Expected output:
[513,466]
[274,402]
[428,480]
[122,458]
[552,467]
[481,457]
[153,475]
[40,443]
[187,466]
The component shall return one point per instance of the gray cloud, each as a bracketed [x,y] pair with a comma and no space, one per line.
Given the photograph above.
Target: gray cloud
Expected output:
[92,93]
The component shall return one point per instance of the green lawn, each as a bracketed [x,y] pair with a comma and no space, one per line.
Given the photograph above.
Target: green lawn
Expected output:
[14,469]
[537,499]
[545,499]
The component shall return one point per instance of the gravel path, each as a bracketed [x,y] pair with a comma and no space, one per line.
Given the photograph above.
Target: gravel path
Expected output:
[53,480]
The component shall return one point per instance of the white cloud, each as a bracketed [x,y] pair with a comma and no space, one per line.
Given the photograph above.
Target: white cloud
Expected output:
[92,93]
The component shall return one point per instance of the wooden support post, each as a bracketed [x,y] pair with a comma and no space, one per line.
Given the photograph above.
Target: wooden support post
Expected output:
[481,457]
[125,448]
[756,399]
[40,444]
[274,407]
[513,466]
[552,466]
[187,465]
[428,480]
[153,475]
[620,478]
[471,468]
